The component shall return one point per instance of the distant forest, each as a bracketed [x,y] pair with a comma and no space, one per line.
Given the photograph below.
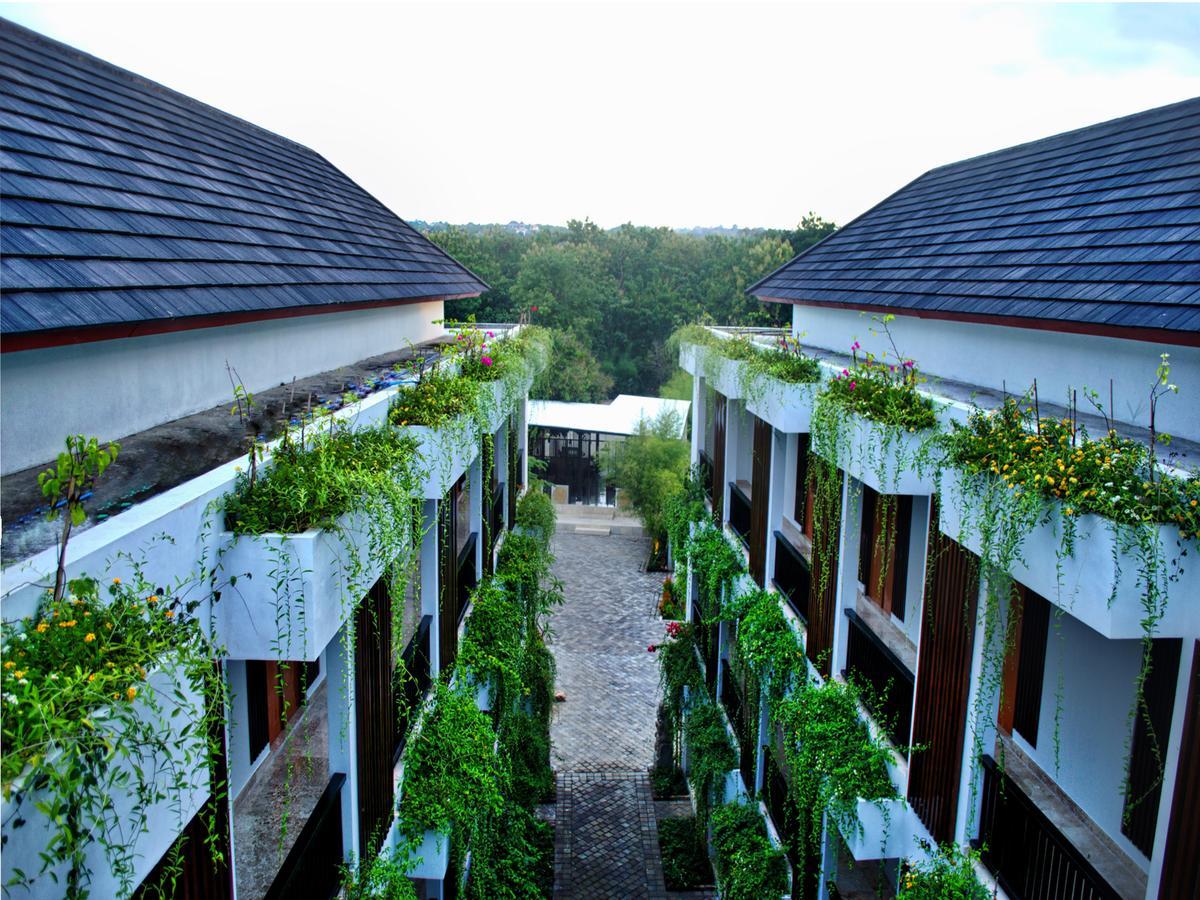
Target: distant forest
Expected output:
[614,296]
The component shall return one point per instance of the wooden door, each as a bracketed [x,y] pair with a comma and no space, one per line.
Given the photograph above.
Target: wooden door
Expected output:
[760,494]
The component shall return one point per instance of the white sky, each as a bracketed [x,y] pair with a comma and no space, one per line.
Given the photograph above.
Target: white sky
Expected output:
[674,114]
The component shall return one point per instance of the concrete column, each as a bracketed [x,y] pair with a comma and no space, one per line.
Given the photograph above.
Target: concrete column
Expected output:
[523,441]
[500,461]
[431,582]
[1171,766]
[847,570]
[699,423]
[983,703]
[343,728]
[732,443]
[475,483]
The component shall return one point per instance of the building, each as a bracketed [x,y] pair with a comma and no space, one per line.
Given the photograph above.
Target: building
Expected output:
[1071,263]
[570,438]
[162,262]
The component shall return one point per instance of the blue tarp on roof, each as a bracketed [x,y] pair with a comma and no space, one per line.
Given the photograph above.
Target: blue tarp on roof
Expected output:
[127,202]
[1099,226]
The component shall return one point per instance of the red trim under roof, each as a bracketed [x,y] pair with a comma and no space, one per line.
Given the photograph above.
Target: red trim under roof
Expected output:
[60,337]
[1151,335]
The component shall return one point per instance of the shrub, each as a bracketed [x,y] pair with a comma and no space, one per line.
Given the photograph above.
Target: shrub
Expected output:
[748,866]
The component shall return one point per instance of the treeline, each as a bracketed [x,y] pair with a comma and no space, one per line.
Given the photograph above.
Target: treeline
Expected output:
[615,296]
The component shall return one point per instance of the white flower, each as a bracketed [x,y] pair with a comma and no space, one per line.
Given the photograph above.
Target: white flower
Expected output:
[54,676]
[22,636]
[22,681]
[11,699]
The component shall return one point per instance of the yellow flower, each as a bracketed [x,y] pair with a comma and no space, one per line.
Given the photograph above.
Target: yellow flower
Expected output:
[116,581]
[92,677]
[1070,510]
[71,623]
[43,627]
[90,637]
[152,599]
[10,665]
[170,613]
[1194,502]
[116,696]
[1049,480]
[20,673]
[131,692]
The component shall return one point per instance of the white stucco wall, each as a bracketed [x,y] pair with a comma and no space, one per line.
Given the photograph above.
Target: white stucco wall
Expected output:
[1097,695]
[994,356]
[115,388]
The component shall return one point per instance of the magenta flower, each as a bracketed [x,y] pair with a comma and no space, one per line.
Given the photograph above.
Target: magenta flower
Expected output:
[908,364]
[854,346]
[487,360]
[489,334]
[846,372]
[853,385]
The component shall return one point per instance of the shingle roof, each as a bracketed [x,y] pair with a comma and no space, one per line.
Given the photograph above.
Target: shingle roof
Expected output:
[1097,227]
[124,201]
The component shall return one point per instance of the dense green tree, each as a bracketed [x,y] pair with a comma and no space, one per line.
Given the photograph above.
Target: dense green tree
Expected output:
[621,292]
[573,373]
[649,466]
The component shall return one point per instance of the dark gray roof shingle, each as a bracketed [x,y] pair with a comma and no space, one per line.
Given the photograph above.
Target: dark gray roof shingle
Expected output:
[124,201]
[1099,226]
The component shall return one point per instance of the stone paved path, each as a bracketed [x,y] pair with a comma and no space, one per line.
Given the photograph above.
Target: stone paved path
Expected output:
[603,735]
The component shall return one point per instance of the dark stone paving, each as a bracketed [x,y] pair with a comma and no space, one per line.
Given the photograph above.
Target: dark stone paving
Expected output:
[606,842]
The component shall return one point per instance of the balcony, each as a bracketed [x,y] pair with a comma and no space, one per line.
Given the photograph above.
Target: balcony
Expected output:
[739,511]
[873,664]
[1037,844]
[411,682]
[793,574]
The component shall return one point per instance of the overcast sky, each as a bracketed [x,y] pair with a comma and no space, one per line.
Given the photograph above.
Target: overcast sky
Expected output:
[674,114]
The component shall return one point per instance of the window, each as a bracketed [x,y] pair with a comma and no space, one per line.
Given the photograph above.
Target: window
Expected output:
[883,548]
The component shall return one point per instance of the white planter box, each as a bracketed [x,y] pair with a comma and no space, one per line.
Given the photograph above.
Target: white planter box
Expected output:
[734,787]
[300,589]
[724,375]
[1099,582]
[164,819]
[444,454]
[885,830]
[787,407]
[881,457]
[434,856]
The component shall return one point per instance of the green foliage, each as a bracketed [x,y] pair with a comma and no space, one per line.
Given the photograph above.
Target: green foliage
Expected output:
[832,756]
[677,387]
[437,400]
[673,602]
[766,642]
[451,775]
[787,362]
[884,393]
[678,668]
[91,691]
[491,648]
[573,375]
[684,507]
[623,291]
[715,562]
[711,754]
[318,477]
[649,466]
[948,874]
[513,858]
[384,878]
[66,484]
[535,514]
[684,850]
[1056,459]
[748,866]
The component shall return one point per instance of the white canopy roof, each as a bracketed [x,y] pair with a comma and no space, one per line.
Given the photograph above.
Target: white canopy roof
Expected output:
[621,416]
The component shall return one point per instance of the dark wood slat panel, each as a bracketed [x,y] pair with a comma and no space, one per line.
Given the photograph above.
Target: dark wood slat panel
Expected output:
[870,662]
[1031,665]
[1180,866]
[943,681]
[760,493]
[1151,731]
[718,461]
[376,713]
[800,508]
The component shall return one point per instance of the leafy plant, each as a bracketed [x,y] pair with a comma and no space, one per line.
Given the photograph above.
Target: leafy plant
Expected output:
[948,874]
[385,876]
[92,692]
[684,850]
[67,484]
[649,466]
[710,753]
[748,865]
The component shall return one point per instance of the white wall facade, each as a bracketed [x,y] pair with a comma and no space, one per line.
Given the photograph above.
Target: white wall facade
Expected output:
[116,388]
[995,356]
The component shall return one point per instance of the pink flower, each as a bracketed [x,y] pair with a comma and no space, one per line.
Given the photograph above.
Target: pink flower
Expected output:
[652,648]
[854,346]
[853,385]
[846,372]
[489,334]
[533,309]
[487,360]
[908,364]
[673,629]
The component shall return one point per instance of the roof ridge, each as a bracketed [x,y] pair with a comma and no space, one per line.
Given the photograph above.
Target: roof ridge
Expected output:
[70,50]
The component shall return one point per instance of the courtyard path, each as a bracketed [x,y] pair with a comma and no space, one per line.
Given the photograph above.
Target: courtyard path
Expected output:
[602,737]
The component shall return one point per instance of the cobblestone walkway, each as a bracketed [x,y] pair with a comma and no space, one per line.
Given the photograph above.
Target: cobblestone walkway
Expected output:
[603,735]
